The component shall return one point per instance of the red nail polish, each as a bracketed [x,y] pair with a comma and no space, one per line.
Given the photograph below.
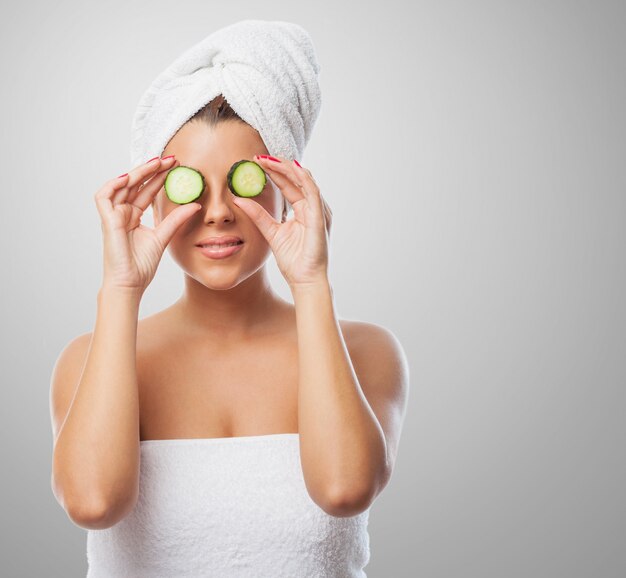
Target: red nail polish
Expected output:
[295,161]
[151,160]
[122,176]
[167,157]
[273,159]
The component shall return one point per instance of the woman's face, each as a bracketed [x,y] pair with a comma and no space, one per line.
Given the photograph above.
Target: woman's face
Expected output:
[212,151]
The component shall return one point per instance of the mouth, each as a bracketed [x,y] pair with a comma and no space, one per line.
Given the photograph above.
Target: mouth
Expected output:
[219,242]
[219,245]
[221,250]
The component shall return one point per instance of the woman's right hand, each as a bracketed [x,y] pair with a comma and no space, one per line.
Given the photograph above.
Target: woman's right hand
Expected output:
[133,251]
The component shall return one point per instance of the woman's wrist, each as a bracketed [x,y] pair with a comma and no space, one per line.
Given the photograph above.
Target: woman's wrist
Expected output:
[322,284]
[128,295]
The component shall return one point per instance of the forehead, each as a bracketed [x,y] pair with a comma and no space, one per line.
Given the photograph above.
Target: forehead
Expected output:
[219,145]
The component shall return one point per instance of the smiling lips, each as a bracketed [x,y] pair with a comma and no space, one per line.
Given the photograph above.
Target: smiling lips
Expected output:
[220,247]
[223,240]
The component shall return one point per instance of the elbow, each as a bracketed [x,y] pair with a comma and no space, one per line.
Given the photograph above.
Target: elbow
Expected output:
[347,503]
[351,501]
[90,513]
[96,516]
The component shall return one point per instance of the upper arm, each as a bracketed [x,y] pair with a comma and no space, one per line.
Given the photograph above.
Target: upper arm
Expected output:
[66,375]
[382,369]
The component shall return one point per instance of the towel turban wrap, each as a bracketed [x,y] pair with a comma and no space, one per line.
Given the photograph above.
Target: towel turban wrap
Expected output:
[267,71]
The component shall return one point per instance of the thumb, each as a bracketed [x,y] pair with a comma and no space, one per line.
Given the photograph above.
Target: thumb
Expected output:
[167,228]
[261,218]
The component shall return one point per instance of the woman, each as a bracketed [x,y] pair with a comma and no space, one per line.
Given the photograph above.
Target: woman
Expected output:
[264,429]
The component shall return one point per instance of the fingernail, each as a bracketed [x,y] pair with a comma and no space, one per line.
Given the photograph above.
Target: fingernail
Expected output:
[295,161]
[122,175]
[155,158]
[167,157]
[269,157]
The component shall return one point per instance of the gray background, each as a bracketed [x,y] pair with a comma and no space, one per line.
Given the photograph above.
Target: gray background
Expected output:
[473,156]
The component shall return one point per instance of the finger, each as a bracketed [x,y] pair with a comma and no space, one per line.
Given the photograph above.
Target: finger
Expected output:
[267,225]
[143,196]
[103,196]
[138,176]
[289,186]
[166,165]
[304,178]
[314,194]
[328,214]
[167,228]
[309,184]
[311,189]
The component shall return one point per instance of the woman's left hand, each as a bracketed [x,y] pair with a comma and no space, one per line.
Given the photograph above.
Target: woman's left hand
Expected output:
[300,245]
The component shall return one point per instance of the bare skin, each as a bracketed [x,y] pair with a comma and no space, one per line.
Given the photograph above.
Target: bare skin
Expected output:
[198,387]
[230,357]
[192,382]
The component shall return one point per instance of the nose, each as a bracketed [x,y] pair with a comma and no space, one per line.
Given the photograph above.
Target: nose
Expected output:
[218,206]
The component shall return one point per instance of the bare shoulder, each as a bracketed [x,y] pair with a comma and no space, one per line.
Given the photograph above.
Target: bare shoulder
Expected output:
[382,369]
[66,374]
[364,338]
[70,363]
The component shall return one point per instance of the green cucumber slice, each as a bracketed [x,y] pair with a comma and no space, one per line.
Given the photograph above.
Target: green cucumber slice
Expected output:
[183,185]
[246,179]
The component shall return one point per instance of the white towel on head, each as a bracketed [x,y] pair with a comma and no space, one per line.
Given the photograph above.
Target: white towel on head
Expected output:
[266,70]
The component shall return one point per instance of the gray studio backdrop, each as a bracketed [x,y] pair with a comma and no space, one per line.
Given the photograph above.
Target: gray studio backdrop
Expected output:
[473,156]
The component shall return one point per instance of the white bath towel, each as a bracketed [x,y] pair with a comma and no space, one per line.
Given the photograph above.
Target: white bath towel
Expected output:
[267,71]
[228,508]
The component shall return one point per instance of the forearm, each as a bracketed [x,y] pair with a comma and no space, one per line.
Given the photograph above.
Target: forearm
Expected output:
[96,455]
[342,443]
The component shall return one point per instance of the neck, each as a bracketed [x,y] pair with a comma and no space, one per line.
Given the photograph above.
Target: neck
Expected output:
[229,313]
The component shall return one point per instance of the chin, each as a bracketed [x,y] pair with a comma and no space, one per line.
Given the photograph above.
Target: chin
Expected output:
[218,280]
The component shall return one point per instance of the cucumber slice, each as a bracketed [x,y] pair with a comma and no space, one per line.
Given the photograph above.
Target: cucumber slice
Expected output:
[183,185]
[246,178]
